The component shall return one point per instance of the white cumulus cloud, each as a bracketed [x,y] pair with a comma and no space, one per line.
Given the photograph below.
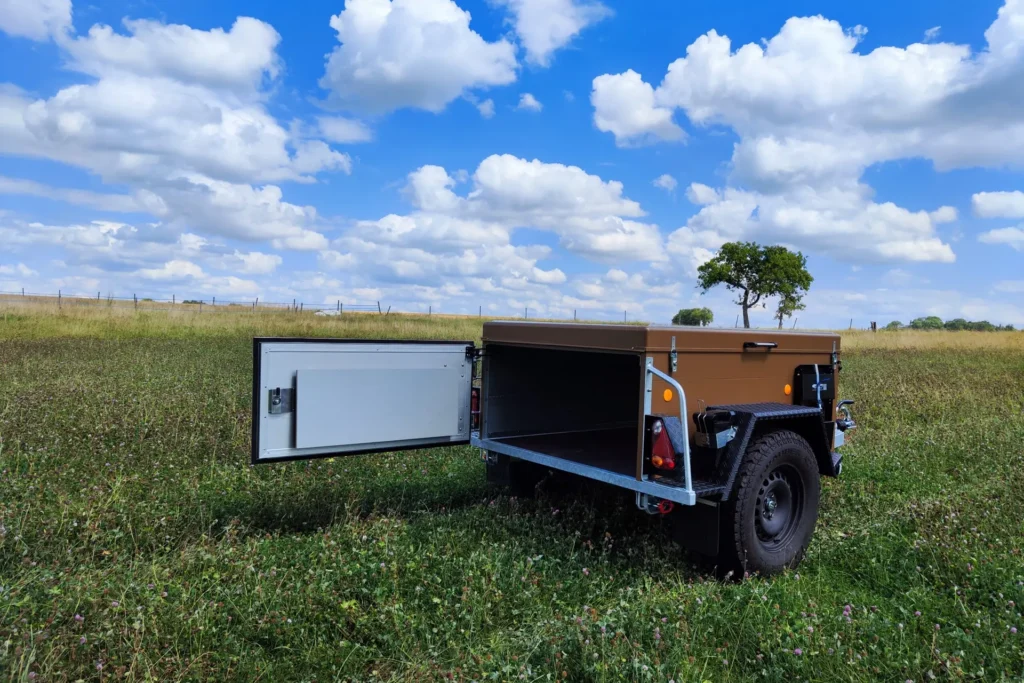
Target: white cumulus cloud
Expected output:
[528,102]
[666,182]
[411,53]
[544,26]
[35,19]
[998,204]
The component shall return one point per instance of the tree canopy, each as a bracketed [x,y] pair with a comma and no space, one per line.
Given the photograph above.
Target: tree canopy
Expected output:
[756,273]
[701,317]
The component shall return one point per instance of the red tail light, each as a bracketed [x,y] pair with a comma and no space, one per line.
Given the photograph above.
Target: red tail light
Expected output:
[663,456]
[474,408]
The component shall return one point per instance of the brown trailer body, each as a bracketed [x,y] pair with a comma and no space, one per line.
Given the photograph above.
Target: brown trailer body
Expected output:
[713,366]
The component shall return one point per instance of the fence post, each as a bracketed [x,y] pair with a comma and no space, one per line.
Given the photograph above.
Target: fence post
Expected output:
[339,305]
[97,296]
[795,322]
[200,306]
[300,307]
[294,306]
[341,308]
[526,313]
[737,321]
[214,301]
[624,317]
[135,297]
[23,291]
[378,308]
[430,311]
[481,313]
[851,323]
[58,298]
[172,299]
[574,315]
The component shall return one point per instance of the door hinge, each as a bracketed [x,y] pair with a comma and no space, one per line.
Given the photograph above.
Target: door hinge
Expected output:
[673,357]
[281,401]
[473,353]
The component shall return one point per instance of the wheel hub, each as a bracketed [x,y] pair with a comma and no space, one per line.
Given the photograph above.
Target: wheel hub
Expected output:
[778,508]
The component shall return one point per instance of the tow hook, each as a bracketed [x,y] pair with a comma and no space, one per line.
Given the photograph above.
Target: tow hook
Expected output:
[654,506]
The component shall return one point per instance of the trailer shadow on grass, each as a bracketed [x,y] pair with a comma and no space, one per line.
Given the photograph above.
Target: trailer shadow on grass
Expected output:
[564,511]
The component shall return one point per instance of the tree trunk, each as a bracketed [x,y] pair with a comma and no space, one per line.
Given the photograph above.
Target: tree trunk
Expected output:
[746,310]
[780,321]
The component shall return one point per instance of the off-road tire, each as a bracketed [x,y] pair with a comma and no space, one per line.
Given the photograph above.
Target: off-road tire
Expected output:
[769,521]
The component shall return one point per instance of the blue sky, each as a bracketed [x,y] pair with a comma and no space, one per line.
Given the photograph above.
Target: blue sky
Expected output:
[559,155]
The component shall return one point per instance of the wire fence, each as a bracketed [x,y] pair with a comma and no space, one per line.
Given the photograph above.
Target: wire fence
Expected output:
[221,305]
[213,304]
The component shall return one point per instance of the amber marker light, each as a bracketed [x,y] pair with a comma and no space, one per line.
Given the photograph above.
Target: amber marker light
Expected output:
[667,395]
[787,390]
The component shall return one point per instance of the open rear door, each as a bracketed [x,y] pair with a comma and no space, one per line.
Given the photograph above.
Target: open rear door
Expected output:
[314,398]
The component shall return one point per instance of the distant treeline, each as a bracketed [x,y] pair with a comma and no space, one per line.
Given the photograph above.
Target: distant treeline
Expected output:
[934,322]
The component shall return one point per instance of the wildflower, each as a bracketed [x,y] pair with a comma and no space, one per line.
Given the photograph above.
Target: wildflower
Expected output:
[586,572]
[99,666]
[937,627]
[917,613]
[810,629]
[1013,629]
[899,626]
[31,675]
[664,620]
[115,603]
[797,651]
[79,618]
[81,641]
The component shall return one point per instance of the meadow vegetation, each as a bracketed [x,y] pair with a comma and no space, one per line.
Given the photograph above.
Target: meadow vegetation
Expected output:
[137,543]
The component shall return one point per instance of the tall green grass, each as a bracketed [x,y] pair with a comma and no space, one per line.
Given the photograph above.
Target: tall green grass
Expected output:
[137,543]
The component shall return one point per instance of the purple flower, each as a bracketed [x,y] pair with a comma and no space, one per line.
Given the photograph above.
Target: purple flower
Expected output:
[917,613]
[810,629]
[31,675]
[937,627]
[81,641]
[797,651]
[1013,629]
[586,572]
[79,618]
[99,666]
[115,603]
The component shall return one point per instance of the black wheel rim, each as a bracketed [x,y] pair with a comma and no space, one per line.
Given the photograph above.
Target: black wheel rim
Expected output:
[779,507]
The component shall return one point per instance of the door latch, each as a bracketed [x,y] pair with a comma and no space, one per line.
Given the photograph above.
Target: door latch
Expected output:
[281,401]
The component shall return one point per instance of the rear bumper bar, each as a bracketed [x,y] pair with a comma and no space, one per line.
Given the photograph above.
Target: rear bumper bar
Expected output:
[676,494]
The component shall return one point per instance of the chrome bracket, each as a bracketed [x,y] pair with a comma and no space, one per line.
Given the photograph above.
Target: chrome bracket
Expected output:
[281,401]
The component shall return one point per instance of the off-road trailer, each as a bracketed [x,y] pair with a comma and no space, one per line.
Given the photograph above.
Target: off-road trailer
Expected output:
[739,476]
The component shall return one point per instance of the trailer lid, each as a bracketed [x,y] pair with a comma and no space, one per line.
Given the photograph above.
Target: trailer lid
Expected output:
[655,338]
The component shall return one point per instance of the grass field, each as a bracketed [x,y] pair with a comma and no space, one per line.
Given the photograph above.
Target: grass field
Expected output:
[137,543]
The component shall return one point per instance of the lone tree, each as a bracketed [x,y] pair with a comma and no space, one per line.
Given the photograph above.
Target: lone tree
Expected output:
[789,303]
[756,273]
[701,317]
